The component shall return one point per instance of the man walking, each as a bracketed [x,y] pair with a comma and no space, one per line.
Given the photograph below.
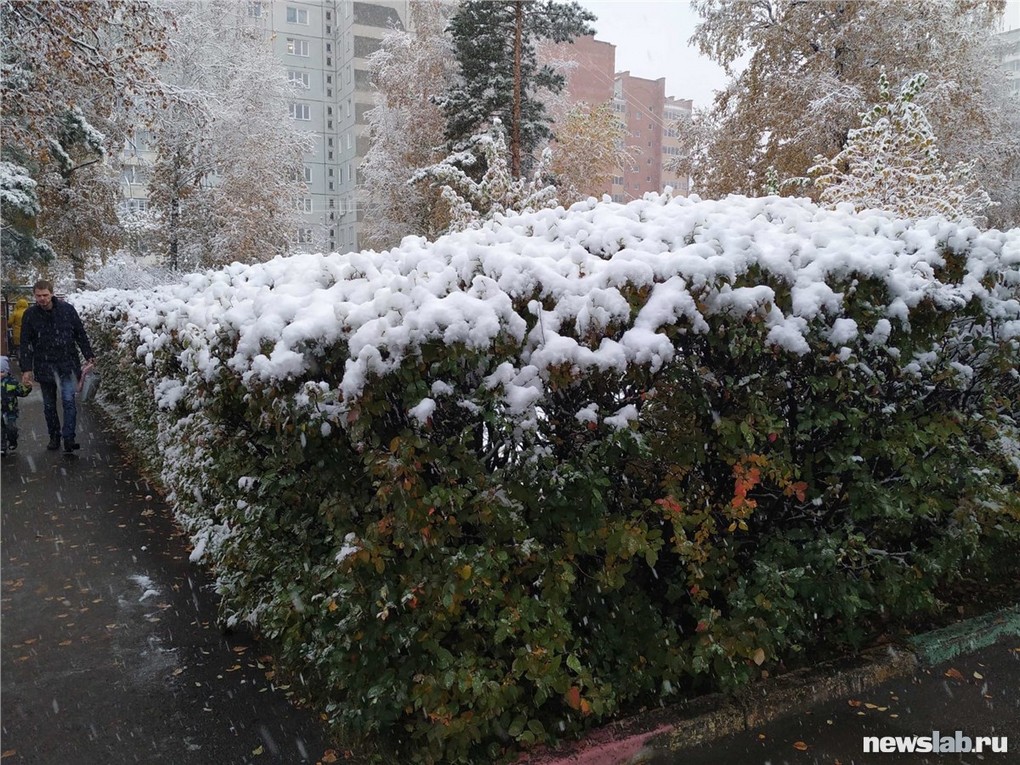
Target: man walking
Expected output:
[50,331]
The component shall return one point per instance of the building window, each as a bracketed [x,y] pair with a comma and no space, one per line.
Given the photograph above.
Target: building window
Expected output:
[296,15]
[299,79]
[297,47]
[303,204]
[329,47]
[304,236]
[297,175]
[301,112]
[136,205]
[255,9]
[350,141]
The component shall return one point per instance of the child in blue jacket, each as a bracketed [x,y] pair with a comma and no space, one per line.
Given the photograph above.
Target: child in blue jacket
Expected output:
[10,391]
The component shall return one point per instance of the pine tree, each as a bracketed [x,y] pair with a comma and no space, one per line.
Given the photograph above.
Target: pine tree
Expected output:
[497,192]
[892,163]
[489,38]
[19,201]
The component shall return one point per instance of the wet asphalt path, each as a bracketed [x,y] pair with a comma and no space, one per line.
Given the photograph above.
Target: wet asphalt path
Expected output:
[110,650]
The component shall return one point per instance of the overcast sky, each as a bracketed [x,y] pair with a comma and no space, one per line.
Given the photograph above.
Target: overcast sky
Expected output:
[651,42]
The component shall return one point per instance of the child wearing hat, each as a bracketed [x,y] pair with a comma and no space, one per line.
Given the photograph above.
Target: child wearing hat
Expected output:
[10,391]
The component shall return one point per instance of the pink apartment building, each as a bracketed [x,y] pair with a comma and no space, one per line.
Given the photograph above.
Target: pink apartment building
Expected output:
[644,108]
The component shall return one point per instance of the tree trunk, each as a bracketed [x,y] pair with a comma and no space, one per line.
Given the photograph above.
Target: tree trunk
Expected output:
[175,216]
[515,128]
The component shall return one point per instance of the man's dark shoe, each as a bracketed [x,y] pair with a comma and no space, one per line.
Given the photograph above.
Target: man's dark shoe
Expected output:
[70,445]
[53,445]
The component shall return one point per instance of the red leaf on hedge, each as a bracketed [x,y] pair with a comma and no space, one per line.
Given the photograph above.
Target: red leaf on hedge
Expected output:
[573,697]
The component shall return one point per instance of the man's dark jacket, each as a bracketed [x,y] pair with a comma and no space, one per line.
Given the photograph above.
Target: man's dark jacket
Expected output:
[48,341]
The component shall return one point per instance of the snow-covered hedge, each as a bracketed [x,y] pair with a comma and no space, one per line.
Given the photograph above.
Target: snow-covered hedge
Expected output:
[492,489]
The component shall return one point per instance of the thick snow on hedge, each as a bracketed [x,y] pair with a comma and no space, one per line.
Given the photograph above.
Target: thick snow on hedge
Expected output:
[566,268]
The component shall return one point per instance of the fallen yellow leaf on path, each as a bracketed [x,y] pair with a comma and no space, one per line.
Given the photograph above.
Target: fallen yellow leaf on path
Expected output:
[800,746]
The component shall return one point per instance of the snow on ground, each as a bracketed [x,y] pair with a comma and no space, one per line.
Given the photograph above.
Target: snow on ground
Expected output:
[568,267]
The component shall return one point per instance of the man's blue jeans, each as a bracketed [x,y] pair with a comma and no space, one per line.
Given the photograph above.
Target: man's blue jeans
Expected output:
[68,385]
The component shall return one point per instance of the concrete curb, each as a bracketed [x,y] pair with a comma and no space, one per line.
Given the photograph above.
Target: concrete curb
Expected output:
[701,720]
[942,645]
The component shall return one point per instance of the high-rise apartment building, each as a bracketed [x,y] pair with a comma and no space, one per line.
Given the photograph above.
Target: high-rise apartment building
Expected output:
[324,45]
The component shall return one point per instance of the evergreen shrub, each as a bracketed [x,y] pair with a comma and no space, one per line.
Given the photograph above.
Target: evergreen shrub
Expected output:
[703,438]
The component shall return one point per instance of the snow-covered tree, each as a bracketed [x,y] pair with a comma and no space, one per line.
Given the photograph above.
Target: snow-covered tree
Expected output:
[590,146]
[497,192]
[19,212]
[228,151]
[70,71]
[407,127]
[810,73]
[892,163]
[495,45]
